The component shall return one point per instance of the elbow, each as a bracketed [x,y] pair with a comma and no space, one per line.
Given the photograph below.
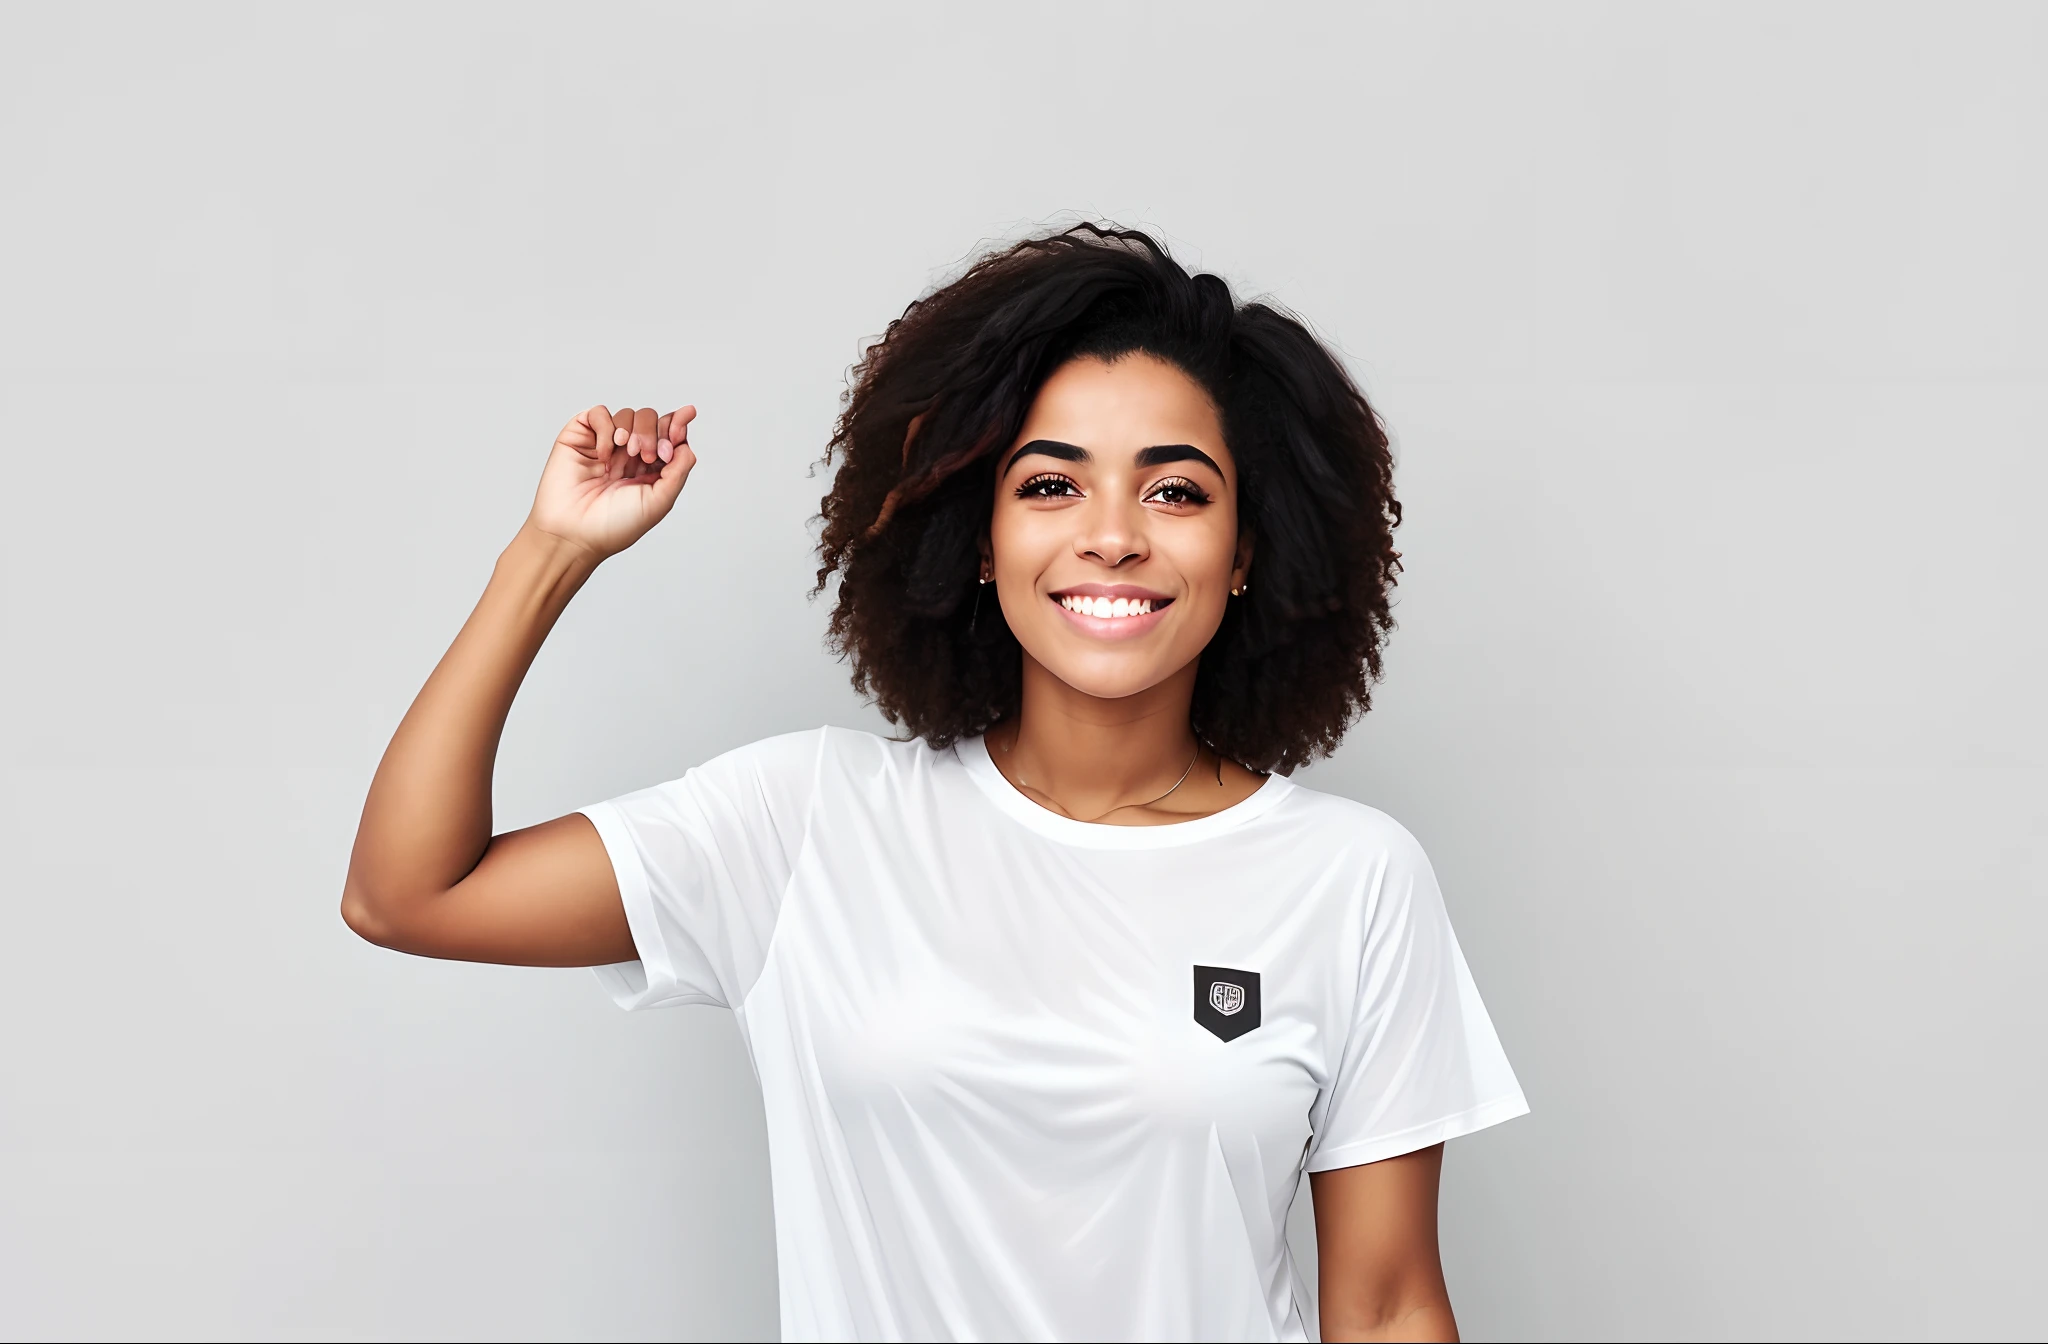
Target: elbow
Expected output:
[1427,1317]
[364,919]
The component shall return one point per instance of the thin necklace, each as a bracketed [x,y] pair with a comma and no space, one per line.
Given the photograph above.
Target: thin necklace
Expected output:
[1120,806]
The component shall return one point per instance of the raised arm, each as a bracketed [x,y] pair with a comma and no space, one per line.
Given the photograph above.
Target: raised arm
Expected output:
[426,875]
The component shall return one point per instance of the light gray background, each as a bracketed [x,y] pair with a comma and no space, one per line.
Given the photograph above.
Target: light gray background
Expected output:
[1713,341]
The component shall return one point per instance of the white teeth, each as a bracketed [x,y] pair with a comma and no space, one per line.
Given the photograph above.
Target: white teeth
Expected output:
[1107,608]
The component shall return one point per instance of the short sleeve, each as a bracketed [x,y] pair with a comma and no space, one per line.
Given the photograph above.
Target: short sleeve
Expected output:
[702,862]
[1421,1062]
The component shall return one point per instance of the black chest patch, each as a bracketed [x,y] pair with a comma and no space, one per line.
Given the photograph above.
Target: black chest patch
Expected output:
[1226,1001]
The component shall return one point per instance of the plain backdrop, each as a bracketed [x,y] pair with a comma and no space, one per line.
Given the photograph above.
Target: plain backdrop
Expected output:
[1712,340]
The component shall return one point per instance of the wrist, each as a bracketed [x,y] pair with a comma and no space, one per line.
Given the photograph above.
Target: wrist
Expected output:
[556,554]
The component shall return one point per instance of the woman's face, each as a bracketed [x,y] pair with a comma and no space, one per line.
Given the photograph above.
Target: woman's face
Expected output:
[1118,490]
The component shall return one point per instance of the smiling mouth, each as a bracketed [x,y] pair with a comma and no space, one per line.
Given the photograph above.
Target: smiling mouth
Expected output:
[1113,609]
[1138,616]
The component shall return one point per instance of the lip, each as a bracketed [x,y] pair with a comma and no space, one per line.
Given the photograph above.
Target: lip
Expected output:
[1108,627]
[1110,590]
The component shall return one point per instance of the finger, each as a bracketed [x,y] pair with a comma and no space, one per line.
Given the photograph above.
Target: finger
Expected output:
[675,429]
[601,426]
[673,474]
[644,433]
[579,435]
[628,441]
[628,434]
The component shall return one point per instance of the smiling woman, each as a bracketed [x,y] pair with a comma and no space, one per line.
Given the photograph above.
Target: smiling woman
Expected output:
[1093,354]
[1135,508]
[1056,1000]
[1180,533]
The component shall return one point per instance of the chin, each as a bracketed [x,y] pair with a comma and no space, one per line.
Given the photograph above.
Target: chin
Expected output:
[1106,676]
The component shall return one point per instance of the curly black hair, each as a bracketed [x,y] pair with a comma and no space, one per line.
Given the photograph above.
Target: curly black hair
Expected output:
[930,405]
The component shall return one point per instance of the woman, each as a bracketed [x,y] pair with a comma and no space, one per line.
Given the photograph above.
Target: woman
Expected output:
[1053,1000]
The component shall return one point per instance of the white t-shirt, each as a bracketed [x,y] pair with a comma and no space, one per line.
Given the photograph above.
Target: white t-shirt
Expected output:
[1028,1077]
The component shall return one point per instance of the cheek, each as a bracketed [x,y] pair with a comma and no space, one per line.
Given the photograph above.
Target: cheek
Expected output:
[1024,540]
[1203,551]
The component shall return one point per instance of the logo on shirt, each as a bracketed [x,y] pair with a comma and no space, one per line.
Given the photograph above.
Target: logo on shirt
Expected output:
[1226,1001]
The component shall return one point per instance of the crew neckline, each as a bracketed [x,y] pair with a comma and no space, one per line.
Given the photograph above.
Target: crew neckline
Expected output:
[981,767]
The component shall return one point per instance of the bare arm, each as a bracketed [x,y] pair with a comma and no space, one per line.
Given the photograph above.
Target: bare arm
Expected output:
[1379,1273]
[426,875]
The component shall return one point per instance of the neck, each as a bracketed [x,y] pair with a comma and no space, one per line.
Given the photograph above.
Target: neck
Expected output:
[1093,754]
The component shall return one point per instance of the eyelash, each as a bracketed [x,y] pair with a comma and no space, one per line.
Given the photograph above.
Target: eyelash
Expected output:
[1194,493]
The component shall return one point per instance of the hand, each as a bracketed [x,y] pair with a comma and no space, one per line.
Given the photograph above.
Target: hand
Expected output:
[610,478]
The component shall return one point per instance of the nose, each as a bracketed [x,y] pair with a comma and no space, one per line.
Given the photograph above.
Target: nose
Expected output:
[1112,529]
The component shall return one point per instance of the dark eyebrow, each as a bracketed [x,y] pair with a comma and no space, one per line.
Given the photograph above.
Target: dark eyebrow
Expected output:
[1146,457]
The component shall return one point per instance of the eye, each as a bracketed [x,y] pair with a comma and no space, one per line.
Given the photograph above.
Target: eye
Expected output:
[1187,491]
[1041,487]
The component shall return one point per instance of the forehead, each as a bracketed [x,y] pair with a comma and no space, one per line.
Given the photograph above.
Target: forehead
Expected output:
[1120,407]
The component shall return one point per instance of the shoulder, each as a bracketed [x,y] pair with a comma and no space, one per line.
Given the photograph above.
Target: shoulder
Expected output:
[789,755]
[1388,886]
[1344,818]
[1354,829]
[829,754]
[779,771]
[870,754]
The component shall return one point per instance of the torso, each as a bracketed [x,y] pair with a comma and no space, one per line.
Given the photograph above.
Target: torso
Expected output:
[1029,1077]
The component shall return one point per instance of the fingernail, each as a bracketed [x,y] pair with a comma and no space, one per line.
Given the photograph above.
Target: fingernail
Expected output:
[664,449]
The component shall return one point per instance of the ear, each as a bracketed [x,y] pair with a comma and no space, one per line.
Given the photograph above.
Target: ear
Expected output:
[1242,561]
[987,562]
